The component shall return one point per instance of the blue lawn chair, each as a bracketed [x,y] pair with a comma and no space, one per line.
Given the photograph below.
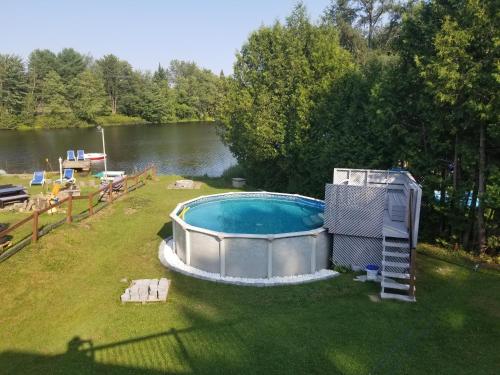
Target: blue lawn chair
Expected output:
[68,177]
[80,155]
[70,155]
[38,178]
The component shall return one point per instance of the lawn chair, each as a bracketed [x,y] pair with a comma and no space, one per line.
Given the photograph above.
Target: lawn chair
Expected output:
[80,155]
[68,177]
[38,178]
[70,155]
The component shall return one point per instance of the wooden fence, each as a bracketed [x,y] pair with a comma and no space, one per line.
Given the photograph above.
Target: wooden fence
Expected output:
[111,192]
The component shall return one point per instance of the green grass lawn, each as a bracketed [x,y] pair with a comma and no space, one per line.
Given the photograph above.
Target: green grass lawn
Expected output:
[60,311]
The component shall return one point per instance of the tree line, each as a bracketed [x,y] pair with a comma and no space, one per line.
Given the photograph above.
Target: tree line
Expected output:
[68,89]
[377,84]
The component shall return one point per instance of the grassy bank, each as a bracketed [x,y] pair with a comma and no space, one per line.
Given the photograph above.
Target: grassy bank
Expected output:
[60,310]
[114,120]
[111,120]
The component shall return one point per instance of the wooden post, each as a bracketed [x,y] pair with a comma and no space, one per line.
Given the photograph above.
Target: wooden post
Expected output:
[110,187]
[91,204]
[125,191]
[34,236]
[413,252]
[69,216]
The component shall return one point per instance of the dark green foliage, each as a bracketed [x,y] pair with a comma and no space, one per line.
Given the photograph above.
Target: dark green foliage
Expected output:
[12,84]
[70,63]
[278,77]
[423,97]
[88,99]
[69,89]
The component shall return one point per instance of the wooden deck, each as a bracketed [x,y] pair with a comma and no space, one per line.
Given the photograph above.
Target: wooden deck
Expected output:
[83,165]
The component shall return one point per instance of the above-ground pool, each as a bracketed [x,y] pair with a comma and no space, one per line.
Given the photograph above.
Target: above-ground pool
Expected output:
[251,235]
[260,214]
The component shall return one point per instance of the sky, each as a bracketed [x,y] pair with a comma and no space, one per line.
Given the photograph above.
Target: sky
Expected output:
[145,33]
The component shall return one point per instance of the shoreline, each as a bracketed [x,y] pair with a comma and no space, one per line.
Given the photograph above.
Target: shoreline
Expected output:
[107,125]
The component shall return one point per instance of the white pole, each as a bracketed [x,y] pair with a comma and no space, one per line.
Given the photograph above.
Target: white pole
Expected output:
[60,169]
[105,156]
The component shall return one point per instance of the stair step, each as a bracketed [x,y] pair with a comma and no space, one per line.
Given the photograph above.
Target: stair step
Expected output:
[398,297]
[396,275]
[403,245]
[394,254]
[395,264]
[393,285]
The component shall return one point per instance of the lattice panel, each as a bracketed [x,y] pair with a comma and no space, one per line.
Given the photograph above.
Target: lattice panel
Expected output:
[356,251]
[354,210]
[358,178]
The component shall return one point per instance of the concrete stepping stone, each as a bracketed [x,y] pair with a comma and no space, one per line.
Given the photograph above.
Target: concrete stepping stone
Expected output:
[146,290]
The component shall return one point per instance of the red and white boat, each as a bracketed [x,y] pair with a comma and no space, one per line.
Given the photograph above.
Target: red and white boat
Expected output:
[94,156]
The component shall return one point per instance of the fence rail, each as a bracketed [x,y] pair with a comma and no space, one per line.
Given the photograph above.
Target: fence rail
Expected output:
[120,188]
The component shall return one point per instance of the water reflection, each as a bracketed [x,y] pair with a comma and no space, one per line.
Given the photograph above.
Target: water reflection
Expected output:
[190,149]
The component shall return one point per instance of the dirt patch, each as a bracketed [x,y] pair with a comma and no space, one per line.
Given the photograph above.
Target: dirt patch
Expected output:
[196,186]
[130,211]
[137,203]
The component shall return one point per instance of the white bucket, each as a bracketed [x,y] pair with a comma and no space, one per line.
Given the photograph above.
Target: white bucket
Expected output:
[371,272]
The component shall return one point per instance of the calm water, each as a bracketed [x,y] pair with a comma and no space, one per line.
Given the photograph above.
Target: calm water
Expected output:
[256,215]
[188,149]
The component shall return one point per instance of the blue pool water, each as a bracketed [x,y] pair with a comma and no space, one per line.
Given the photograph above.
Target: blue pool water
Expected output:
[256,215]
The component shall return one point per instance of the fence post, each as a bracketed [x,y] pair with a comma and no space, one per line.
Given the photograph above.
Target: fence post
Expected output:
[110,187]
[125,191]
[91,205]
[69,216]
[34,236]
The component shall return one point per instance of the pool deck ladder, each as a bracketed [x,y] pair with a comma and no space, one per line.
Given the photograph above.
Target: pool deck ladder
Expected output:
[398,262]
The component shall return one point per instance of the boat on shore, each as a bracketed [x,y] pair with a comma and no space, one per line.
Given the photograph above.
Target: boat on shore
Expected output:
[95,156]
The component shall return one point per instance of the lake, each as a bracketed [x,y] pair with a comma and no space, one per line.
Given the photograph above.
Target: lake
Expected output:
[186,149]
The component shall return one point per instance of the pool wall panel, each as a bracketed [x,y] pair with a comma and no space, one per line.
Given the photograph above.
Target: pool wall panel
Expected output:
[246,257]
[180,241]
[205,252]
[291,256]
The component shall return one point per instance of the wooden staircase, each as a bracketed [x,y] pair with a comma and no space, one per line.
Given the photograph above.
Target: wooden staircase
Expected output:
[398,271]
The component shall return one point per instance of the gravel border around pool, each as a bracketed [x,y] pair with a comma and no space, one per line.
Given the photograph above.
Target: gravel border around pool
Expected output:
[170,260]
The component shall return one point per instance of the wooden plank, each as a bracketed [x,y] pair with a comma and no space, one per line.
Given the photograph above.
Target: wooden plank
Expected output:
[83,165]
[13,198]
[16,225]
